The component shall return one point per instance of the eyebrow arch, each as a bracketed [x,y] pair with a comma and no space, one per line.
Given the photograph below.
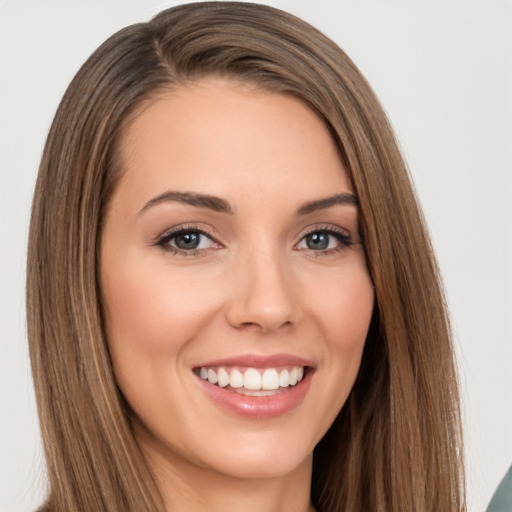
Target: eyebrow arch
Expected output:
[200,200]
[321,204]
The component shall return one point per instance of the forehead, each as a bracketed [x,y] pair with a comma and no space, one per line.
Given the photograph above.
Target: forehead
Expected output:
[219,137]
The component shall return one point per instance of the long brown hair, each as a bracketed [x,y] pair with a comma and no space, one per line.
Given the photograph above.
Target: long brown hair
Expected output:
[396,445]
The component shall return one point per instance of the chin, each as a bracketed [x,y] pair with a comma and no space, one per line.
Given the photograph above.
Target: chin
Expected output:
[263,456]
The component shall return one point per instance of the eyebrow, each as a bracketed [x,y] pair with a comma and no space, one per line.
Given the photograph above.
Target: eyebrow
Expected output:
[200,200]
[322,204]
[218,204]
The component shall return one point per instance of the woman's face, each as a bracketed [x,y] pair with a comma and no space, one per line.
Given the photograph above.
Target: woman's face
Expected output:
[237,298]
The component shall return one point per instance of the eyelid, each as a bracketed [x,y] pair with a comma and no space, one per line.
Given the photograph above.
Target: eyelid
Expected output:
[343,236]
[330,228]
[163,239]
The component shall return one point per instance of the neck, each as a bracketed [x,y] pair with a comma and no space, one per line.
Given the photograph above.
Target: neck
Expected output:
[188,487]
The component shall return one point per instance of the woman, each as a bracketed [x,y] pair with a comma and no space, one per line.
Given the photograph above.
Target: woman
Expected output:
[232,299]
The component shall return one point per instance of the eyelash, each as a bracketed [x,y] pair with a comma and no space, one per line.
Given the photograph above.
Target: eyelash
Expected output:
[341,236]
[164,240]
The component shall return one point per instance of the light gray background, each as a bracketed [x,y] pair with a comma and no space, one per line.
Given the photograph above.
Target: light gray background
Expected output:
[443,70]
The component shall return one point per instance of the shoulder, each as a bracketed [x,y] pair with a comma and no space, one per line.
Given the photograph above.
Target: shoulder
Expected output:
[502,499]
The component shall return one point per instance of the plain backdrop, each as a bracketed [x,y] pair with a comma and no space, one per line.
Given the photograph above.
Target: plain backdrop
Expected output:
[443,71]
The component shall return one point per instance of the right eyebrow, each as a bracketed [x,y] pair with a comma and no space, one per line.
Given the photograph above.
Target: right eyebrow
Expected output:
[216,204]
[323,204]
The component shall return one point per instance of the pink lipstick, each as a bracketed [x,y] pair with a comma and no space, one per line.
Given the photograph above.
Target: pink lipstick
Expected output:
[257,386]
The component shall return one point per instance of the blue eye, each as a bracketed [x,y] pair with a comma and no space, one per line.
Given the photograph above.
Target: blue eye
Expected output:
[186,240]
[318,241]
[324,240]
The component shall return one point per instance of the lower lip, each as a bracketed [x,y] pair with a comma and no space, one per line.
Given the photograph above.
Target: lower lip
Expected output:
[259,406]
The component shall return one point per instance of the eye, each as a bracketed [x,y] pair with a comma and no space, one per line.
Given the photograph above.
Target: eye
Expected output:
[187,240]
[324,240]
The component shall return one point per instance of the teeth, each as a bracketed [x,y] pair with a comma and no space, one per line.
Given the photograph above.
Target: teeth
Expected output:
[222,378]
[253,379]
[270,379]
[284,378]
[212,377]
[236,379]
[293,377]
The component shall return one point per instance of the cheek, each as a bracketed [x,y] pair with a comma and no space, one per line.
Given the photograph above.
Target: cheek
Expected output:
[345,306]
[152,315]
[345,310]
[150,312]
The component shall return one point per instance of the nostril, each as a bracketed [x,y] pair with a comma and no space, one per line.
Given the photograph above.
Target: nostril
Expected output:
[263,326]
[261,292]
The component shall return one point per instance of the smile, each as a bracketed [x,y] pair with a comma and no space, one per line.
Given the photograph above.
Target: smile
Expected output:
[253,381]
[256,386]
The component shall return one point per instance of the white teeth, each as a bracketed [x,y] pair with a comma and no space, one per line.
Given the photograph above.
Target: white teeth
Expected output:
[223,378]
[212,377]
[270,379]
[253,379]
[236,379]
[284,379]
[293,377]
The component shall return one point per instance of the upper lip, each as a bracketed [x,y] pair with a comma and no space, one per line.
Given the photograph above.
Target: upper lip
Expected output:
[259,361]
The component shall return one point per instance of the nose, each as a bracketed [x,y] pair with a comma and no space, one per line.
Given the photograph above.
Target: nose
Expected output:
[263,293]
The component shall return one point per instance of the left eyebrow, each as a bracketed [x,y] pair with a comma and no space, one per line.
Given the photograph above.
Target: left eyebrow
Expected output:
[198,200]
[322,204]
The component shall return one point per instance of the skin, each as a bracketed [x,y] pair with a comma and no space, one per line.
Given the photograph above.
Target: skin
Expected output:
[254,286]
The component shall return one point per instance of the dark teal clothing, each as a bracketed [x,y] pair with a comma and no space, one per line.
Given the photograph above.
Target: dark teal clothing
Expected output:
[502,499]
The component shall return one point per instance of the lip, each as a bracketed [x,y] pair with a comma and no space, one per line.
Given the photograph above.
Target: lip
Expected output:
[259,361]
[259,407]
